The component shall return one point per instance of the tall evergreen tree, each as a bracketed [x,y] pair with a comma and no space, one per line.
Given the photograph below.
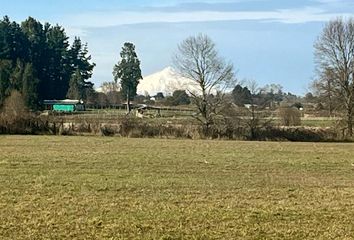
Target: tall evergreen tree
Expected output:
[37,60]
[36,35]
[75,86]
[80,59]
[59,71]
[29,87]
[5,47]
[81,66]
[17,76]
[13,42]
[5,73]
[128,72]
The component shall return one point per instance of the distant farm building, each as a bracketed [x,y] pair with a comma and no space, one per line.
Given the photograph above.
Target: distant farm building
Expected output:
[250,106]
[66,105]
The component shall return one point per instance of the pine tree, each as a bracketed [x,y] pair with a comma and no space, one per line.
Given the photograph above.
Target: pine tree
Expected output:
[128,72]
[59,71]
[5,73]
[5,47]
[75,86]
[29,87]
[35,32]
[37,60]
[17,76]
[13,42]
[81,66]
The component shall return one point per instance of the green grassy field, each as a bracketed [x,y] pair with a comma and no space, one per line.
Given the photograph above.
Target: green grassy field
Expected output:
[117,188]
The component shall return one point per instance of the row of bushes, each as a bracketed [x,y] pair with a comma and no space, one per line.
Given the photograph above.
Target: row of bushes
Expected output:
[137,128]
[16,119]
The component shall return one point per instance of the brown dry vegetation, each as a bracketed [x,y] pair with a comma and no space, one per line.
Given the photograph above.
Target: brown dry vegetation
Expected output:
[118,188]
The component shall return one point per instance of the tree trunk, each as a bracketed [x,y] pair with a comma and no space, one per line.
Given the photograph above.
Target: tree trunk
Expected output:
[128,103]
[253,127]
[330,108]
[350,121]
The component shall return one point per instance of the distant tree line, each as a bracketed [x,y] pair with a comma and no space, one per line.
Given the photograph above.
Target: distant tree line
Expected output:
[111,96]
[270,96]
[38,61]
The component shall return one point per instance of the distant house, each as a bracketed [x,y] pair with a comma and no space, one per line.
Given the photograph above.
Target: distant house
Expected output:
[66,105]
[249,106]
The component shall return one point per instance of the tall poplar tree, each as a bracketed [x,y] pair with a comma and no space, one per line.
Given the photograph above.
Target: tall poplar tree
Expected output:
[128,72]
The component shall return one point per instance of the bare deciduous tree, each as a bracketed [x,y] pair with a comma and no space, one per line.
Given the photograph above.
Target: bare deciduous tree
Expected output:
[325,90]
[108,87]
[334,52]
[198,60]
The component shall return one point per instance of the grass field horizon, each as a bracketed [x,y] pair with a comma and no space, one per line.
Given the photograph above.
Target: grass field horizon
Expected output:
[56,187]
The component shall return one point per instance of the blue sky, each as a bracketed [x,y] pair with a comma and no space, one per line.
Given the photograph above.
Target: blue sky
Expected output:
[270,41]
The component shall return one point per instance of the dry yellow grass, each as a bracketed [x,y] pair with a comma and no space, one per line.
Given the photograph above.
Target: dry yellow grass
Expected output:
[117,188]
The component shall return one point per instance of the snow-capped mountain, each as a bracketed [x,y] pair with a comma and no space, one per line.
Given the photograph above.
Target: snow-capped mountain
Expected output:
[165,81]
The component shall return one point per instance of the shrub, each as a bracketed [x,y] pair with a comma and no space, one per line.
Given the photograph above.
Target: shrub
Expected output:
[289,116]
[107,131]
[15,117]
[14,108]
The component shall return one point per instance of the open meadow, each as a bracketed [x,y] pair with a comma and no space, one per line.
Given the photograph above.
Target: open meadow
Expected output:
[118,188]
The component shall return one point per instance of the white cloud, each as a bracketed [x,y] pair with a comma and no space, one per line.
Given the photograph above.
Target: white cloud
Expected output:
[76,31]
[308,15]
[104,19]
